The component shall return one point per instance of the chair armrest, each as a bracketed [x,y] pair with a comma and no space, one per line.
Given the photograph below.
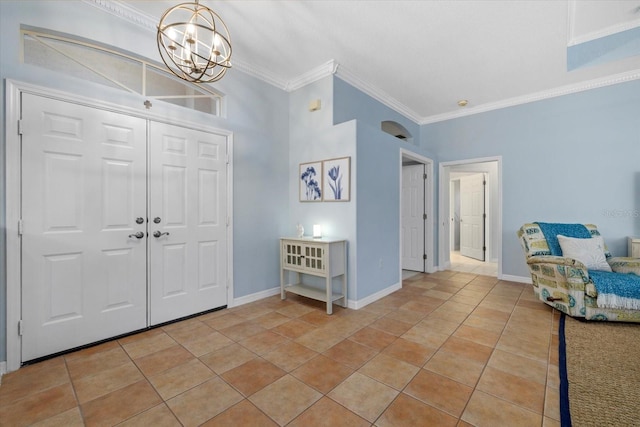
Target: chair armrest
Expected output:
[625,265]
[558,260]
[567,273]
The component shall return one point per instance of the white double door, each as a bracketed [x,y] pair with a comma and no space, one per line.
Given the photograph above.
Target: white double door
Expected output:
[123,224]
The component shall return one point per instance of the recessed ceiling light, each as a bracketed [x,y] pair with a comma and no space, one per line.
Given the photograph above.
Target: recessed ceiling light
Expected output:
[463,103]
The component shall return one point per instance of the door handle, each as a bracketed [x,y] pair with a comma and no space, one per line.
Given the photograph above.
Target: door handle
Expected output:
[157,234]
[138,235]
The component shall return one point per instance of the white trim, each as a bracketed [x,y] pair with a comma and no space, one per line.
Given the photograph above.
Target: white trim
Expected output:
[573,39]
[539,96]
[13,214]
[324,70]
[3,370]
[357,305]
[352,304]
[429,208]
[518,279]
[256,296]
[376,93]
[14,89]
[230,288]
[443,212]
[333,67]
[260,74]
[125,12]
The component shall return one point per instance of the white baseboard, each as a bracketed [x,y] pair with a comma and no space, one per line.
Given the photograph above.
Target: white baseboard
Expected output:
[3,370]
[255,297]
[518,279]
[356,305]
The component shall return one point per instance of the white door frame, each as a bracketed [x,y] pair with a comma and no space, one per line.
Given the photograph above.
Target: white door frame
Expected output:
[13,195]
[429,209]
[444,213]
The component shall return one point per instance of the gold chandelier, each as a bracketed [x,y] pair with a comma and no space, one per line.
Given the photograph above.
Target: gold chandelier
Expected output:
[194,43]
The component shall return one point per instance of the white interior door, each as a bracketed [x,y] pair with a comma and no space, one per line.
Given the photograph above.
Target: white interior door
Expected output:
[83,186]
[187,222]
[413,217]
[472,213]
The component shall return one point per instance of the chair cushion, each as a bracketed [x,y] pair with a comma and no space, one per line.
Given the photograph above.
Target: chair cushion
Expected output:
[589,251]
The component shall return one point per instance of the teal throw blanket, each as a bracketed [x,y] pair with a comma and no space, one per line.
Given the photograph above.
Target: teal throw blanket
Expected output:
[616,290]
[551,231]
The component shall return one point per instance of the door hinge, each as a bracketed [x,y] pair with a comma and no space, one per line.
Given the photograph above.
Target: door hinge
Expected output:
[424,256]
[20,127]
[484,249]
[424,176]
[20,227]
[20,327]
[424,216]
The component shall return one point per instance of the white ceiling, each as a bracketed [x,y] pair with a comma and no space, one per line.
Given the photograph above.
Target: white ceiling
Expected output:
[421,57]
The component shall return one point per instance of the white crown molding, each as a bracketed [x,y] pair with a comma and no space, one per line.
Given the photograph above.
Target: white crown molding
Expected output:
[376,93]
[605,32]
[594,35]
[260,74]
[553,93]
[324,70]
[125,12]
[136,17]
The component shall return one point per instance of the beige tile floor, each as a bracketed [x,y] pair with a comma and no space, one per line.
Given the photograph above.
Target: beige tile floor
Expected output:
[448,349]
[470,265]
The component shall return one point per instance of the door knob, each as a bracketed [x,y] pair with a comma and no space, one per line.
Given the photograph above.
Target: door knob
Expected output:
[138,235]
[139,220]
[157,220]
[157,234]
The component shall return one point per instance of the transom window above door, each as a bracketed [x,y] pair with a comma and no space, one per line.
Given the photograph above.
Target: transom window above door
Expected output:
[109,67]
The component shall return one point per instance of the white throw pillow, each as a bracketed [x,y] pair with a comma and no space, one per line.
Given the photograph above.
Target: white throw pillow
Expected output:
[590,252]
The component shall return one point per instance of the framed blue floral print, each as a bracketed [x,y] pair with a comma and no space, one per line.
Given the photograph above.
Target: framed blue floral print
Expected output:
[336,179]
[310,176]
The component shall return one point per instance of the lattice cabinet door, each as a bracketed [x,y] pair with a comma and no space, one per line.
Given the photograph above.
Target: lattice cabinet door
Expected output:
[292,255]
[314,258]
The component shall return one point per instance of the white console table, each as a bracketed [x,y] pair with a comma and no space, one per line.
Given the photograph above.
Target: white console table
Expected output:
[323,257]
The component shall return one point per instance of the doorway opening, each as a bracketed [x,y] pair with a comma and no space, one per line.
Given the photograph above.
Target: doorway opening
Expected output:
[471,216]
[416,214]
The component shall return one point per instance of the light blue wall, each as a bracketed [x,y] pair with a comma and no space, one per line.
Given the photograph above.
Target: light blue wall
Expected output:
[256,113]
[574,158]
[314,138]
[613,47]
[378,216]
[351,103]
[378,185]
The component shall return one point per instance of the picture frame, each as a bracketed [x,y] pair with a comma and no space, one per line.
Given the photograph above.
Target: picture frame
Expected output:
[310,182]
[337,179]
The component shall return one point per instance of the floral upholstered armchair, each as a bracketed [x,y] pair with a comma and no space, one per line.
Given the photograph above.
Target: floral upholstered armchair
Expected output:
[577,275]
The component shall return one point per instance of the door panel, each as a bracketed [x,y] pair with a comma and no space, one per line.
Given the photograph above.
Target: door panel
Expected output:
[472,212]
[413,217]
[83,185]
[188,194]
